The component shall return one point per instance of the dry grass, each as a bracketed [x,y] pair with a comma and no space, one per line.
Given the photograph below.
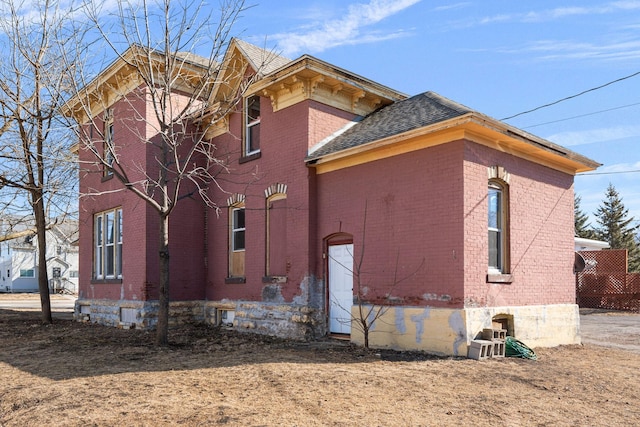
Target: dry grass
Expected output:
[74,374]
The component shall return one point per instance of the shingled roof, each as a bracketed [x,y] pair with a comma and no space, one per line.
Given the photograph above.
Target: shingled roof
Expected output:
[403,116]
[262,60]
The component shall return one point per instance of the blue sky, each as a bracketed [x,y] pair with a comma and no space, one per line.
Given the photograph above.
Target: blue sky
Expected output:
[498,57]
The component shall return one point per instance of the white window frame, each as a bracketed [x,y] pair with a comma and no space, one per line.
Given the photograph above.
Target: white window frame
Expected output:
[107,258]
[235,229]
[249,124]
[499,226]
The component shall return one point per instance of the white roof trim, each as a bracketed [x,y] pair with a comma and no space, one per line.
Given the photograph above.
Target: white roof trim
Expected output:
[335,135]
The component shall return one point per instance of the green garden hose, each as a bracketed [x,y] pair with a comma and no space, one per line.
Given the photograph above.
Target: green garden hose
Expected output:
[515,348]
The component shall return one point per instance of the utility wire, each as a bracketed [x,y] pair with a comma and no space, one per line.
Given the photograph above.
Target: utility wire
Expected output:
[606,173]
[572,96]
[582,115]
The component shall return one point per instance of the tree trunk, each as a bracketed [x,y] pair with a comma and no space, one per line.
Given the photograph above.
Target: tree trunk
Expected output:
[43,276]
[162,338]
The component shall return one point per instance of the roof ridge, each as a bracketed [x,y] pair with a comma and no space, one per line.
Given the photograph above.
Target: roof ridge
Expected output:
[262,60]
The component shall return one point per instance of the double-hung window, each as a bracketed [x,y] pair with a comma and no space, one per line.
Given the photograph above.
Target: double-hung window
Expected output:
[238,229]
[108,244]
[252,125]
[497,228]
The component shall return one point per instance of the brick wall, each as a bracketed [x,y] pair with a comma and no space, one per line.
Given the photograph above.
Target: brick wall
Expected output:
[413,231]
[432,205]
[541,232]
[284,138]
[140,221]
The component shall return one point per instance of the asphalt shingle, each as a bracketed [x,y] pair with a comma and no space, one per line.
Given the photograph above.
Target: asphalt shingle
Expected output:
[418,111]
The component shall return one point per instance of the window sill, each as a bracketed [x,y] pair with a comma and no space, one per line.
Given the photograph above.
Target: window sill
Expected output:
[274,279]
[235,280]
[499,278]
[106,281]
[107,177]
[250,157]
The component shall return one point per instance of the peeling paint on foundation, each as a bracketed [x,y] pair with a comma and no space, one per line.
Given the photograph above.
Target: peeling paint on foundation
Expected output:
[401,327]
[449,331]
[456,323]
[272,293]
[419,321]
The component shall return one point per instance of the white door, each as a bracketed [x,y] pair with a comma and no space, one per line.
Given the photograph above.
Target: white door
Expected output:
[340,288]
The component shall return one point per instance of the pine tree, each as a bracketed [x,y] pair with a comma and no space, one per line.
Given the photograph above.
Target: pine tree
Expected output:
[582,225]
[616,227]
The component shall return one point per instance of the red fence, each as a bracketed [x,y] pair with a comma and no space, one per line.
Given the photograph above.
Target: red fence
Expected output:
[605,283]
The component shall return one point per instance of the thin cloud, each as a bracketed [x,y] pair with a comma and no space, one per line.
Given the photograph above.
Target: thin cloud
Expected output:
[561,12]
[568,139]
[451,6]
[557,49]
[349,30]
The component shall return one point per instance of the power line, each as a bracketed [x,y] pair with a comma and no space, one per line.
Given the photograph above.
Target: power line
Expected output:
[606,173]
[582,115]
[572,96]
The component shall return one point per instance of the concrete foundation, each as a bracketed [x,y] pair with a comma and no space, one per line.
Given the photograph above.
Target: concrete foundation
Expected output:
[434,330]
[450,331]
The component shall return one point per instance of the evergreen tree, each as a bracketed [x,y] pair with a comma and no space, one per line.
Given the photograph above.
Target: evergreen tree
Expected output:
[582,225]
[616,227]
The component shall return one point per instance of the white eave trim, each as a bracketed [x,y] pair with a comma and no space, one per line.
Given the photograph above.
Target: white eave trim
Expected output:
[334,135]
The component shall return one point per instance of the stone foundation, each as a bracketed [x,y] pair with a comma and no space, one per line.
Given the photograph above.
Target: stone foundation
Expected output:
[283,320]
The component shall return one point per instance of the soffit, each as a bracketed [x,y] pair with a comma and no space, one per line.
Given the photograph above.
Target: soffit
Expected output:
[310,78]
[122,77]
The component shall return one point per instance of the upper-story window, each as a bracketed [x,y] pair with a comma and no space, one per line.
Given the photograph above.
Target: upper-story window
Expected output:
[498,228]
[251,125]
[108,142]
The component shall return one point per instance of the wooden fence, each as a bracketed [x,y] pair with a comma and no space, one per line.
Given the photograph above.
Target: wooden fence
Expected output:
[605,283]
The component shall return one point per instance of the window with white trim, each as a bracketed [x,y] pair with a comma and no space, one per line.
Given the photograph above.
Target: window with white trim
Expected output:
[498,227]
[108,244]
[251,125]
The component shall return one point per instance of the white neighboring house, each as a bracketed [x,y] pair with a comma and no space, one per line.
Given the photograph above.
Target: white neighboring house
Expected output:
[19,261]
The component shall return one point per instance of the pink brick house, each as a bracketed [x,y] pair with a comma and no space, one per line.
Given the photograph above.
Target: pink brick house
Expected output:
[345,193]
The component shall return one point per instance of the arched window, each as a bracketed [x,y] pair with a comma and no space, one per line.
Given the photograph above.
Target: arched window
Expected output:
[276,245]
[498,227]
[237,231]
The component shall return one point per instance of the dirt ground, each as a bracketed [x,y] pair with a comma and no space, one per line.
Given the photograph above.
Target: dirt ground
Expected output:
[74,374]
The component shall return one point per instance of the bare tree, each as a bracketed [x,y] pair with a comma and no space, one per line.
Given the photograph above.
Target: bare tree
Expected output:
[36,171]
[184,92]
[370,310]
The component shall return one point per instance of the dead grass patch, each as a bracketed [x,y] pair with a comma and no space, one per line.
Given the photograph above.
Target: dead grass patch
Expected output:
[73,374]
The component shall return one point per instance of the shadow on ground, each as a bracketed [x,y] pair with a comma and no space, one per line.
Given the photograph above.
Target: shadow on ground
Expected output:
[68,349]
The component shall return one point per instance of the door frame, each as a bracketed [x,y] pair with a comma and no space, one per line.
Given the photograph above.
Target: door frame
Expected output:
[335,239]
